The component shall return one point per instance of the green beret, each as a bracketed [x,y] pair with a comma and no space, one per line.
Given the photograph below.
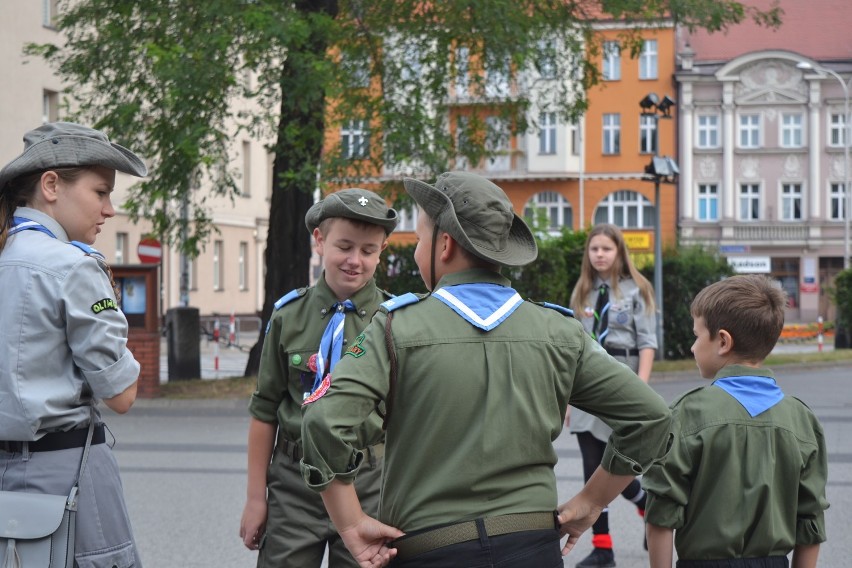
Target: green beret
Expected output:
[356,204]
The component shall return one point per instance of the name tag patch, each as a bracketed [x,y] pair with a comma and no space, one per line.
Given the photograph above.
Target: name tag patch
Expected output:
[105,304]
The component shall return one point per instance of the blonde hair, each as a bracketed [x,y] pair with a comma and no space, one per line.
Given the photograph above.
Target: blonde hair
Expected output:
[622,267]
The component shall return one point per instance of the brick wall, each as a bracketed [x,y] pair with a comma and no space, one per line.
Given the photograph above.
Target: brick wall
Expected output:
[145,346]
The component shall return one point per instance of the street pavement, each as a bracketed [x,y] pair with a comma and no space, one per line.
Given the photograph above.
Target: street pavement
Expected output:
[184,470]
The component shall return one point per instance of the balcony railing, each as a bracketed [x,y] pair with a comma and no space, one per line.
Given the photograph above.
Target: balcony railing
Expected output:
[770,232]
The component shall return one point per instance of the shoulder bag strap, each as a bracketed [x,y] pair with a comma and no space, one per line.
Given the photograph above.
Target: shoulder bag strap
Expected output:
[72,497]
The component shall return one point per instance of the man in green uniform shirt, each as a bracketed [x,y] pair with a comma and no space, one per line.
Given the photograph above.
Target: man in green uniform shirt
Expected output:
[307,333]
[476,382]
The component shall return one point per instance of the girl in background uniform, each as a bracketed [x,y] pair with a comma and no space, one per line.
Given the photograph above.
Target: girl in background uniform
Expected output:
[63,338]
[616,305]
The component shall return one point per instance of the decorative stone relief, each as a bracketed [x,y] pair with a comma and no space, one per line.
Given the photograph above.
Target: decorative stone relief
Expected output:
[707,168]
[838,167]
[792,166]
[749,168]
[771,80]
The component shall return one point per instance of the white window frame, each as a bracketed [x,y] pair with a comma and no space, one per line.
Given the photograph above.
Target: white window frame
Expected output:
[625,208]
[355,140]
[497,142]
[50,12]
[243,265]
[546,61]
[462,141]
[49,106]
[648,68]
[497,79]
[612,134]
[707,133]
[547,123]
[749,201]
[218,265]
[462,72]
[647,134]
[792,130]
[792,201]
[557,207]
[408,218]
[836,130]
[748,130]
[837,201]
[611,69]
[121,240]
[246,185]
[707,206]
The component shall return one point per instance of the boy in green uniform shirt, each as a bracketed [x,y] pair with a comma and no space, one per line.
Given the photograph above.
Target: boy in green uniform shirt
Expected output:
[476,382]
[744,482]
[307,333]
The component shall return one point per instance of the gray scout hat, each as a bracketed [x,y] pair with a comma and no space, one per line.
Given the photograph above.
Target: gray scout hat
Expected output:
[355,203]
[66,144]
[478,215]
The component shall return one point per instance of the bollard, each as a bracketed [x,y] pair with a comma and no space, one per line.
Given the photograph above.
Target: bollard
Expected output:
[216,345]
[232,330]
[819,334]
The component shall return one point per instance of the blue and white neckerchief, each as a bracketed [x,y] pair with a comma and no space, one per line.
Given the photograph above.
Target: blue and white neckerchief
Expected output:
[331,344]
[756,394]
[23,224]
[482,304]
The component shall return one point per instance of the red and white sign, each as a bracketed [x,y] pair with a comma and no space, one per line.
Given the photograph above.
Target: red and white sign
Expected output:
[150,251]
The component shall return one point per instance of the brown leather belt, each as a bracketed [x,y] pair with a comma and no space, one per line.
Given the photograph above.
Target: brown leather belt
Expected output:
[410,546]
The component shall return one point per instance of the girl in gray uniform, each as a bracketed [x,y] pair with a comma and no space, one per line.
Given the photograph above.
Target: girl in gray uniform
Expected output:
[616,305]
[63,339]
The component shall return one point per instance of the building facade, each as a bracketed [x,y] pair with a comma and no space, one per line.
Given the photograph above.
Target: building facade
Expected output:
[762,149]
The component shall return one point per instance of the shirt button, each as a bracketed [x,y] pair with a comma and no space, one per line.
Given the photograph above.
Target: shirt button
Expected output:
[323,311]
[297,359]
[363,312]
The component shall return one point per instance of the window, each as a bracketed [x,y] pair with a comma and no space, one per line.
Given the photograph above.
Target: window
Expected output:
[648,60]
[749,131]
[575,138]
[246,189]
[837,130]
[550,207]
[707,131]
[462,72]
[357,70]
[838,202]
[49,107]
[626,209]
[749,202]
[647,134]
[708,202]
[497,78]
[412,62]
[791,130]
[407,219]
[121,248]
[191,272]
[463,142]
[218,265]
[611,61]
[497,144]
[546,60]
[791,202]
[243,266]
[547,133]
[355,140]
[611,133]
[50,11]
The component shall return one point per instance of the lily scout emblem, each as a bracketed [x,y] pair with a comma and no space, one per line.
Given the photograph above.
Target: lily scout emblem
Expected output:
[363,201]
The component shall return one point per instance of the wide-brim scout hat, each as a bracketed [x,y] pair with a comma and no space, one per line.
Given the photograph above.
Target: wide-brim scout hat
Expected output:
[478,215]
[356,204]
[66,144]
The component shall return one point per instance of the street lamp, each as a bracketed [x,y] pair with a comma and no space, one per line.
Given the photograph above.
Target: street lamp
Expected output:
[660,170]
[847,130]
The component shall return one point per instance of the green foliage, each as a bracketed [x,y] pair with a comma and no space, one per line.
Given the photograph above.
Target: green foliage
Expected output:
[842,293]
[685,272]
[397,272]
[552,276]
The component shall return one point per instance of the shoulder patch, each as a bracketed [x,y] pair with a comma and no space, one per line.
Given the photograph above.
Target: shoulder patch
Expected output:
[105,304]
[88,249]
[289,297]
[400,301]
[561,309]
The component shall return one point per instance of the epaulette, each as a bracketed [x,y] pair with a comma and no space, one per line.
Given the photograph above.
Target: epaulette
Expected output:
[561,309]
[399,301]
[686,394]
[289,297]
[91,251]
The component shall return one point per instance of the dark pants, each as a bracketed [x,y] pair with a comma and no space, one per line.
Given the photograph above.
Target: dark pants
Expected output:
[528,549]
[764,562]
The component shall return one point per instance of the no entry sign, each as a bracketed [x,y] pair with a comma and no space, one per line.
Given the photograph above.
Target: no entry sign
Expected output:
[150,251]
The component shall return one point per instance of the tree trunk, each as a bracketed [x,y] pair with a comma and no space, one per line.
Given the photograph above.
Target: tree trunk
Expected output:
[297,156]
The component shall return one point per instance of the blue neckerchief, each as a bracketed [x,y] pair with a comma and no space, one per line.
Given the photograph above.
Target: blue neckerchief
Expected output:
[483,305]
[756,394]
[331,344]
[23,224]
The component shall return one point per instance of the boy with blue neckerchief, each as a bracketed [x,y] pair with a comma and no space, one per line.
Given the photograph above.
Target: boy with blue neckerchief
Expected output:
[740,446]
